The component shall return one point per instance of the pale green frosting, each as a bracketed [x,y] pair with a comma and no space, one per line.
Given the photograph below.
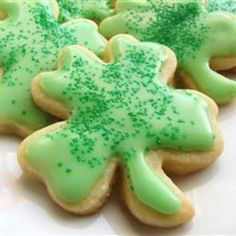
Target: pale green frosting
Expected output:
[121,109]
[222,5]
[30,39]
[92,9]
[194,34]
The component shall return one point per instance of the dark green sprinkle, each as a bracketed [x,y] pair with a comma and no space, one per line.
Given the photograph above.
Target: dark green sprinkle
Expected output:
[59,164]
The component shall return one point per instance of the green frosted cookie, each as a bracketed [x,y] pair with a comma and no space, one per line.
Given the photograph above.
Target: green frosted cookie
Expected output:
[117,113]
[30,39]
[194,34]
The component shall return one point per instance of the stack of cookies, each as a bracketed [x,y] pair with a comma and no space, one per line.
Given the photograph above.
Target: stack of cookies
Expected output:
[121,90]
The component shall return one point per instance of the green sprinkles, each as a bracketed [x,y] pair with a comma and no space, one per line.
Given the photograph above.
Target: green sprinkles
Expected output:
[222,5]
[178,33]
[107,107]
[121,109]
[92,9]
[59,164]
[29,44]
[175,25]
[68,170]
[24,113]
[196,34]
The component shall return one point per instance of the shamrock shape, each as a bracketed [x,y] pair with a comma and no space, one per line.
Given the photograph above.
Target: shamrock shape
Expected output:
[121,109]
[30,39]
[96,10]
[195,35]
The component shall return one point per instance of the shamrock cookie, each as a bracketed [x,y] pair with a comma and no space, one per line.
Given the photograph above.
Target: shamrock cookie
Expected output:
[92,9]
[30,39]
[194,34]
[120,113]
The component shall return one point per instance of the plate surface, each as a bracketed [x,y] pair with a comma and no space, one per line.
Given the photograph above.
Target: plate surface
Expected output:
[25,207]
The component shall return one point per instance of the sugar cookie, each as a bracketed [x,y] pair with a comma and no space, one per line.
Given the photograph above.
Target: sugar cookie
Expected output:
[120,113]
[30,39]
[194,34]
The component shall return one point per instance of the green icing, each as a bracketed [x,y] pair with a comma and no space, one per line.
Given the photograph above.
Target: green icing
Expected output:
[30,39]
[194,34]
[222,5]
[92,9]
[120,109]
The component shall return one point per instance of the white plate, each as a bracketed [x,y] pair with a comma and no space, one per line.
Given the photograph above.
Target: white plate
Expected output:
[25,207]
